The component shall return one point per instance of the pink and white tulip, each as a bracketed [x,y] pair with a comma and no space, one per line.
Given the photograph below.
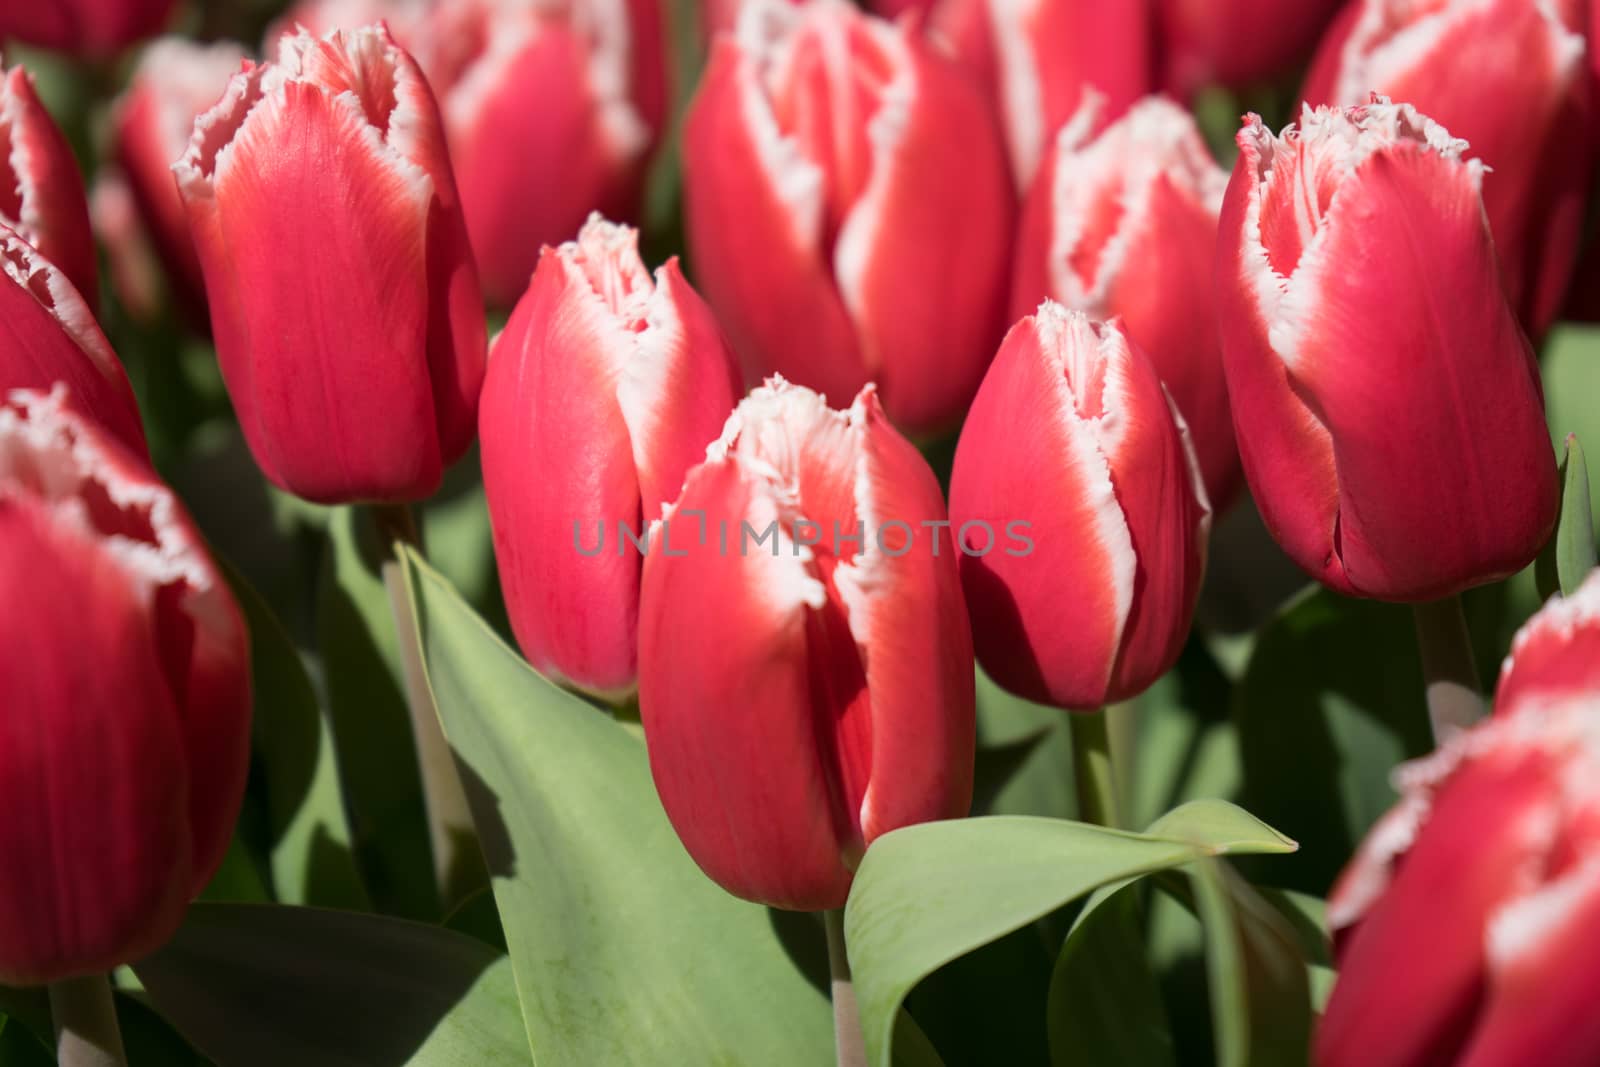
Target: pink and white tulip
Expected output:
[1038,58]
[848,209]
[1525,108]
[41,193]
[1387,406]
[1074,435]
[803,696]
[1124,224]
[344,301]
[1464,922]
[604,389]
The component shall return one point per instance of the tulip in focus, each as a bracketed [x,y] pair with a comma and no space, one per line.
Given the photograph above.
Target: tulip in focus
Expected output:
[126,738]
[1124,224]
[1074,435]
[48,335]
[1465,921]
[1511,78]
[604,389]
[41,192]
[1236,42]
[805,666]
[551,112]
[175,82]
[1388,408]
[344,301]
[1038,58]
[84,27]
[848,209]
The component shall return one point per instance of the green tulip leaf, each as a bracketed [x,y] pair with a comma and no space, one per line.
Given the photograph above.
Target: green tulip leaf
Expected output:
[927,894]
[1575,549]
[310,841]
[1260,991]
[624,951]
[269,985]
[1105,1003]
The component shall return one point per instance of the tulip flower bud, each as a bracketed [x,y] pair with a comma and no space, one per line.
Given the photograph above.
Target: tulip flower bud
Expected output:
[1523,110]
[805,666]
[175,82]
[1074,447]
[551,111]
[48,335]
[85,27]
[848,209]
[1236,42]
[604,389]
[1465,921]
[1125,225]
[344,301]
[1388,409]
[41,192]
[126,739]
[1038,57]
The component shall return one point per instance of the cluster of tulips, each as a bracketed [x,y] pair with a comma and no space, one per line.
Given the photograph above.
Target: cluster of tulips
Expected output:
[992,224]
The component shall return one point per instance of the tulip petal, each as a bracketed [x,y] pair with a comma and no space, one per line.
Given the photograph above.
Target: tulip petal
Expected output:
[1556,654]
[41,191]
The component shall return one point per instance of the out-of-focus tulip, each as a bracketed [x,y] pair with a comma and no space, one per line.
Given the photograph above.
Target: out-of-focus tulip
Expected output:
[41,192]
[1388,409]
[86,27]
[133,268]
[1465,920]
[604,389]
[1079,504]
[1038,57]
[1236,42]
[551,111]
[344,301]
[321,17]
[126,738]
[175,82]
[1125,225]
[848,209]
[805,663]
[48,335]
[1525,108]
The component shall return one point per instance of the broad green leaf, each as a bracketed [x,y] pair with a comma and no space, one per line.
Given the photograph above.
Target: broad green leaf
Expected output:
[1332,700]
[1024,761]
[926,894]
[624,951]
[1575,551]
[1260,996]
[310,842]
[270,985]
[1220,828]
[1105,1004]
[377,758]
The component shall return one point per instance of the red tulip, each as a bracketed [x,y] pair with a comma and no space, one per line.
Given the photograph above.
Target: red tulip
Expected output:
[126,739]
[1124,224]
[1388,408]
[805,666]
[175,81]
[848,209]
[1465,918]
[87,27]
[1074,446]
[551,112]
[343,296]
[604,389]
[1038,58]
[41,192]
[48,335]
[1236,42]
[1524,109]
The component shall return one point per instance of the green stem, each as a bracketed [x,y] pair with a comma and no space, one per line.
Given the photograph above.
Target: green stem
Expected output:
[849,1046]
[1093,770]
[457,863]
[1451,676]
[85,1020]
